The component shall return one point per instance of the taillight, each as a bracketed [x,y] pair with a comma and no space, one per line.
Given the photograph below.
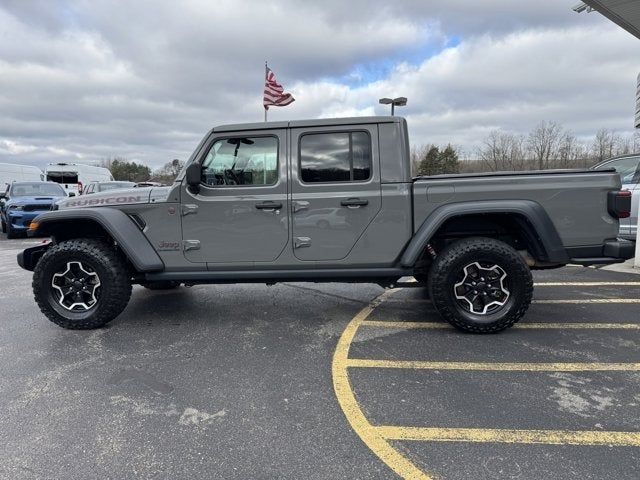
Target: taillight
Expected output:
[619,204]
[79,188]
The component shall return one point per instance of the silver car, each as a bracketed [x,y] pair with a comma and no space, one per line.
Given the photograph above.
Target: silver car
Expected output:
[628,167]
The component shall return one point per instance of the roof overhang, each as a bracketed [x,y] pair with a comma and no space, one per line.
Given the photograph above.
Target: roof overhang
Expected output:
[625,13]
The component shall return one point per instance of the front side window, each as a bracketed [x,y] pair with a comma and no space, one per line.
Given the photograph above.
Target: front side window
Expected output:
[335,157]
[248,161]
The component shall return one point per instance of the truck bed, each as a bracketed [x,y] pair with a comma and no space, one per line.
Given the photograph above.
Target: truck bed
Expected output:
[575,200]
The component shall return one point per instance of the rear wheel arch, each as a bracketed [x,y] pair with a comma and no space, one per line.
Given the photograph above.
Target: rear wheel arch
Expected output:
[524,225]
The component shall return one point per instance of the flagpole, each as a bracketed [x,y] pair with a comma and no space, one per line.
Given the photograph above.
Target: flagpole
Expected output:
[266,70]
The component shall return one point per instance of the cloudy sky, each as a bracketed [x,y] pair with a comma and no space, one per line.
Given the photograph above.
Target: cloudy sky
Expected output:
[87,79]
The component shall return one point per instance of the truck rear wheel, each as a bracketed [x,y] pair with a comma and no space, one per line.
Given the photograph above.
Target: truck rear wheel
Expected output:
[81,284]
[480,285]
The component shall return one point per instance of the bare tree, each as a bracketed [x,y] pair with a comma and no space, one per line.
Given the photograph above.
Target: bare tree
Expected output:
[603,145]
[543,142]
[502,151]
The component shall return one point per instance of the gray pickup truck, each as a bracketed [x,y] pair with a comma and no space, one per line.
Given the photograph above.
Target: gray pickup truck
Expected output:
[326,201]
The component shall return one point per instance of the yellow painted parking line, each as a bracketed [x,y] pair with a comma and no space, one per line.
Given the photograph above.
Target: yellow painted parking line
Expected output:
[592,300]
[586,284]
[525,325]
[347,400]
[378,438]
[548,437]
[494,366]
[567,301]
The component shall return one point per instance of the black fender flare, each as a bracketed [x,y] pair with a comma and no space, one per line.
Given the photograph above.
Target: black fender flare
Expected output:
[533,212]
[117,224]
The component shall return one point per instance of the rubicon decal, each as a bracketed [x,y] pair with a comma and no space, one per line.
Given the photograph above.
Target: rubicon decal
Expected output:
[93,202]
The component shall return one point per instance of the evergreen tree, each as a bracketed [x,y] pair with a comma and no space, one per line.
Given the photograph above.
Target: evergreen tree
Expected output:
[448,160]
[430,164]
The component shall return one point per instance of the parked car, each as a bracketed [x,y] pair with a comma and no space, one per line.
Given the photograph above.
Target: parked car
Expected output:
[73,176]
[628,167]
[12,172]
[97,187]
[472,239]
[23,201]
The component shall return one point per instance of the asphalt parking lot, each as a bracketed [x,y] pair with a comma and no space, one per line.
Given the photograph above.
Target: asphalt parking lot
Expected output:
[322,381]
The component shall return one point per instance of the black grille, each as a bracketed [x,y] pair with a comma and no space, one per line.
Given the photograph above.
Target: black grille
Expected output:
[35,207]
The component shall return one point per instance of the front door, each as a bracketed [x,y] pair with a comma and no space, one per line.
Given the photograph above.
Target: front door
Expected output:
[239,213]
[335,189]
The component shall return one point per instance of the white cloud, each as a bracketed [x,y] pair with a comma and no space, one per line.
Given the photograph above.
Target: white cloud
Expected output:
[147,79]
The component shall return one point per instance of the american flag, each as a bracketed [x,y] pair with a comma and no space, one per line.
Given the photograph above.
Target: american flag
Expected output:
[274,93]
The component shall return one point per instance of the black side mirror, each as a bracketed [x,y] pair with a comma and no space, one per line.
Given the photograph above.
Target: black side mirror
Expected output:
[193,175]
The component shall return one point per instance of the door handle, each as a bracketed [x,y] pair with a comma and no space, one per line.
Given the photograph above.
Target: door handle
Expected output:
[269,206]
[301,242]
[354,202]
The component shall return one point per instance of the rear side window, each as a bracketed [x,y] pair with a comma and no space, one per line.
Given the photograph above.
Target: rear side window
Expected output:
[335,157]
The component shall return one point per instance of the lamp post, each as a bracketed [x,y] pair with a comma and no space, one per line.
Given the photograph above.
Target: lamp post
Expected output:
[399,101]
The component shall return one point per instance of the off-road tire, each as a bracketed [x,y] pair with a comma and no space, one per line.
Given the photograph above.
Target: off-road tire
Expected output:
[445,272]
[105,261]
[161,285]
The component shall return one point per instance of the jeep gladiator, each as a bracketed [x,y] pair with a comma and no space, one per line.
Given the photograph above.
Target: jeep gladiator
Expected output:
[326,201]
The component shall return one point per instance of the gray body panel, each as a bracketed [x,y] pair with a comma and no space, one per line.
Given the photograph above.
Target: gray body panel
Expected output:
[576,201]
[216,233]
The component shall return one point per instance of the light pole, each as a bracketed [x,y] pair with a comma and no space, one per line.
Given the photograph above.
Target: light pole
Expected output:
[399,101]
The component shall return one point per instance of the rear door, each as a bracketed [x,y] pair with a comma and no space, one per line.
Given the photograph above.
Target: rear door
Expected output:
[335,189]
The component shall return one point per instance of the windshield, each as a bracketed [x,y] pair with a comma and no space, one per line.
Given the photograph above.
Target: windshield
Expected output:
[36,189]
[115,186]
[62,177]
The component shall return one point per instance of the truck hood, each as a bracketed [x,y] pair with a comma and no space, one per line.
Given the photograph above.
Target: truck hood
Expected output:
[129,196]
[44,200]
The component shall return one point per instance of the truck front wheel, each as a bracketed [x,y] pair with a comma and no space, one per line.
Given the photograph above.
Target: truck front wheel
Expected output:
[480,285]
[81,284]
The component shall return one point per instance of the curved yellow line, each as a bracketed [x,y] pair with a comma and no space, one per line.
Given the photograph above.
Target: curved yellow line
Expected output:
[347,400]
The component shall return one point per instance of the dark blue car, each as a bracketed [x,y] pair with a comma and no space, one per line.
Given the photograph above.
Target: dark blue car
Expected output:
[23,201]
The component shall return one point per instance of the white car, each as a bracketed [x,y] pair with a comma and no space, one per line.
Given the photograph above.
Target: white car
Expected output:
[628,167]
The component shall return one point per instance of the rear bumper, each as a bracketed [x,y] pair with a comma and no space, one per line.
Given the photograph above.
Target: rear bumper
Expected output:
[613,251]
